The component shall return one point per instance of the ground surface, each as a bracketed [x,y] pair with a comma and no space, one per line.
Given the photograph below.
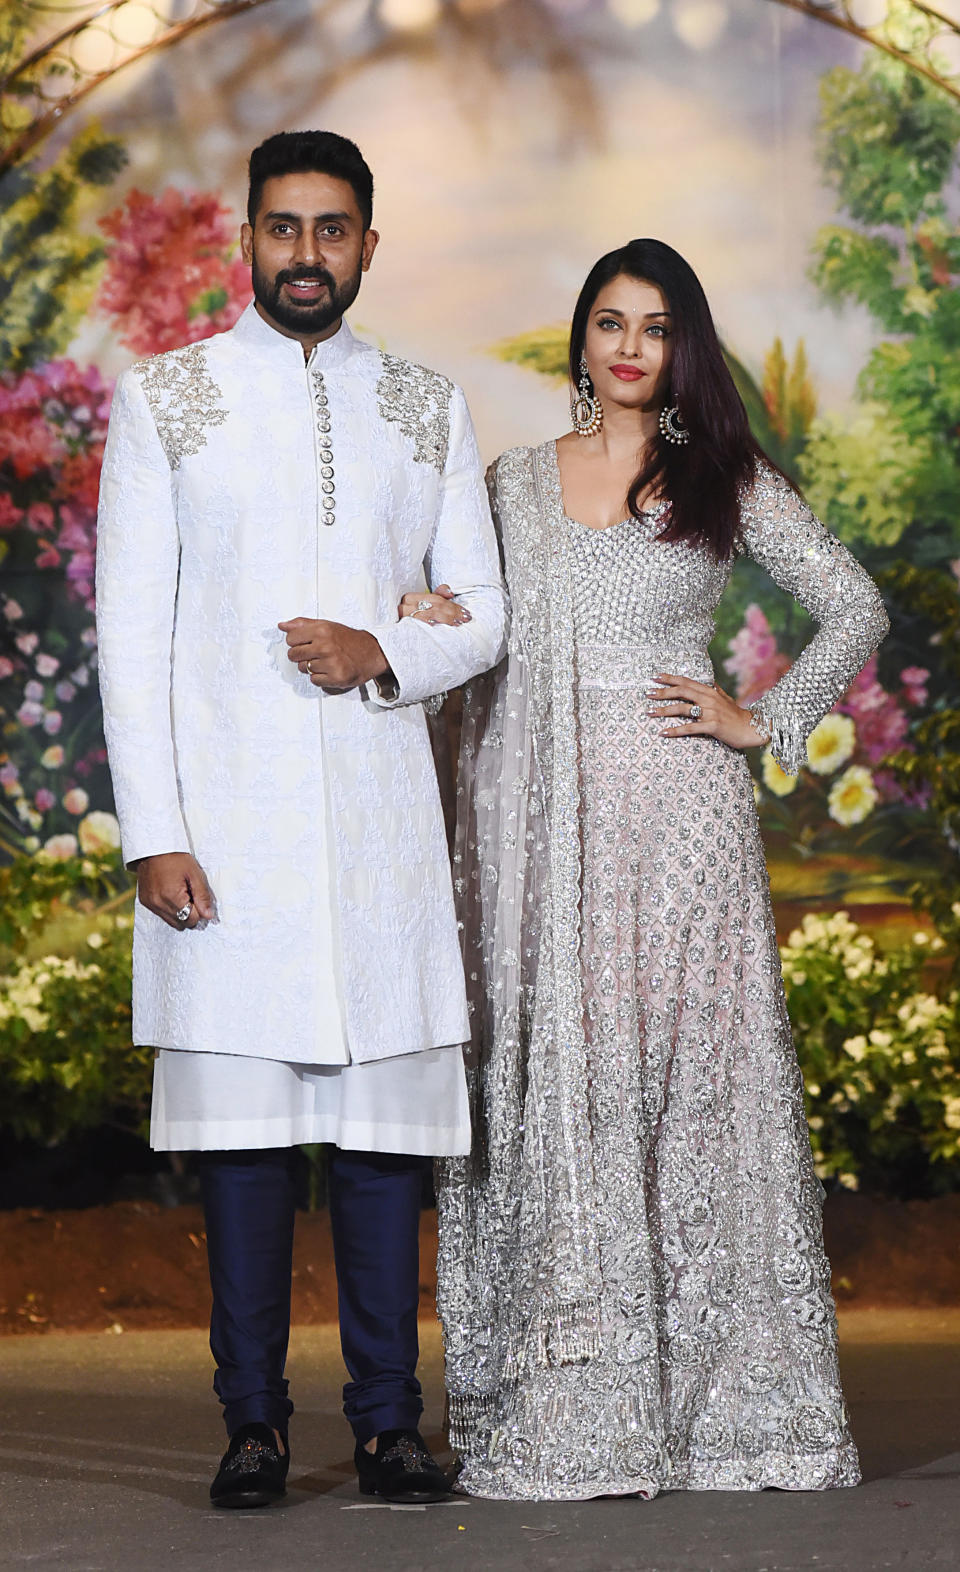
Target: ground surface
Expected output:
[137,1265]
[108,1443]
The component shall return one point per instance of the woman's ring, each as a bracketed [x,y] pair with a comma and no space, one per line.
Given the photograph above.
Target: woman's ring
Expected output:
[695,712]
[424,605]
[183,915]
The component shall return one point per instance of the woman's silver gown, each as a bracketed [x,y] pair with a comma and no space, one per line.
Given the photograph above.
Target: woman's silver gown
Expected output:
[632,1286]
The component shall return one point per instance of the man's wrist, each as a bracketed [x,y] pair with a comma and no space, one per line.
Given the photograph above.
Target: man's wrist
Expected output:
[378,665]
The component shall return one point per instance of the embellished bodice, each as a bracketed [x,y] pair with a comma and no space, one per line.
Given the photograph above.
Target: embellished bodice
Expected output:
[639,604]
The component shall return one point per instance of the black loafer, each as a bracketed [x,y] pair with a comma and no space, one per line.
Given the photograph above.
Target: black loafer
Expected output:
[253,1471]
[401,1470]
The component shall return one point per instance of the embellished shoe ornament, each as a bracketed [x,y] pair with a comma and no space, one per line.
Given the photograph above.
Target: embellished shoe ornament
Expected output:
[401,1470]
[253,1471]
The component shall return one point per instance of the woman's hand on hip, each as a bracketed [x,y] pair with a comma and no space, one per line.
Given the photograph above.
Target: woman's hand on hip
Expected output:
[698,709]
[434,606]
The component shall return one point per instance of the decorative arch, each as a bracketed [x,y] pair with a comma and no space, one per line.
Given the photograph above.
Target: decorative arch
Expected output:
[57,71]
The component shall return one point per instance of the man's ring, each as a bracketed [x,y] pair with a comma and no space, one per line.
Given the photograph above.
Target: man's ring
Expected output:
[183,915]
[695,712]
[424,605]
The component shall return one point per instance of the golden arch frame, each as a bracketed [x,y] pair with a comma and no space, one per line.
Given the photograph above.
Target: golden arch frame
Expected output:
[38,90]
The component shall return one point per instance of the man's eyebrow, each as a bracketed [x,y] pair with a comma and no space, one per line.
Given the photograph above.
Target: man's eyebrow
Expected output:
[297,218]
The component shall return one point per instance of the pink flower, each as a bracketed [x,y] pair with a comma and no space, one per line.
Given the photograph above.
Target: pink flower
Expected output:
[170,276]
[755,660]
[47,665]
[65,691]
[881,723]
[52,721]
[27,642]
[44,799]
[30,713]
[914,679]
[12,610]
[9,515]
[40,517]
[6,666]
[34,691]
[9,774]
[76,801]
[891,790]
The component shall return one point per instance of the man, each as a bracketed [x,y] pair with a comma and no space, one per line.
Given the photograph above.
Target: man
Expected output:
[267,496]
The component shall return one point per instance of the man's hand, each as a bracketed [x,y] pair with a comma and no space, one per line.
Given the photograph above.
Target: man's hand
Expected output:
[333,656]
[169,883]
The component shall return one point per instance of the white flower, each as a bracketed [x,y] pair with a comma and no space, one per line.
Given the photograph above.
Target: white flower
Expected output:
[856,1047]
[951,1113]
[95,941]
[831,743]
[853,796]
[98,832]
[59,848]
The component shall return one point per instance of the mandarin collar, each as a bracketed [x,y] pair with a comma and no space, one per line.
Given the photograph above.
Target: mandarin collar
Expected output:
[257,335]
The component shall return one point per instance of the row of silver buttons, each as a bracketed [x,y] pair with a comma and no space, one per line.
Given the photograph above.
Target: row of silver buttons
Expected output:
[328,499]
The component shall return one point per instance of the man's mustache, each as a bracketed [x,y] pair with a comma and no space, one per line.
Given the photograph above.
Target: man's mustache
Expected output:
[316,275]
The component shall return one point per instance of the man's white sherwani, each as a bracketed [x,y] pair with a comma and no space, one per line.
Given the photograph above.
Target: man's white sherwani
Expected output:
[241,488]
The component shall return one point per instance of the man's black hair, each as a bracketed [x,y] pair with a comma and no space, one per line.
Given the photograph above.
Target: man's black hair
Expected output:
[310,152]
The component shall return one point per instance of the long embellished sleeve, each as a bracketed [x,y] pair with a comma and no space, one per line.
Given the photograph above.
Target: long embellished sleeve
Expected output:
[462,553]
[138,560]
[780,532]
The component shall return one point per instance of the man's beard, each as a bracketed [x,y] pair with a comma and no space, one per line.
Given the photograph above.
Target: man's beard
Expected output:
[312,316]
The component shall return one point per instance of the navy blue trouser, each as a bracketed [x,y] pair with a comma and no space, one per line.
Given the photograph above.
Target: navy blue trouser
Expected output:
[250,1200]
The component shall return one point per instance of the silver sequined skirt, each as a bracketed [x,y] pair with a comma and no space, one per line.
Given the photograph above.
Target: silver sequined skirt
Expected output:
[718,1368]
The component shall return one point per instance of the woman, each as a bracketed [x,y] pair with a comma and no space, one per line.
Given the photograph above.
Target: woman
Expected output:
[632,1282]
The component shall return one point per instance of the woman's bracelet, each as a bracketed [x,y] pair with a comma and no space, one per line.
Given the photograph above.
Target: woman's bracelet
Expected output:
[761,728]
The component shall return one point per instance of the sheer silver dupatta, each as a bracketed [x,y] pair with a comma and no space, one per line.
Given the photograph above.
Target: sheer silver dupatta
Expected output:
[519,1274]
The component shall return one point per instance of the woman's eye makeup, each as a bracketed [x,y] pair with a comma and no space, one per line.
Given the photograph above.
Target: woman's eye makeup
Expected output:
[608,322]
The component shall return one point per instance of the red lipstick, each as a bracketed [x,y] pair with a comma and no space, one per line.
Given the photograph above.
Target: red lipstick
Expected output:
[628,373]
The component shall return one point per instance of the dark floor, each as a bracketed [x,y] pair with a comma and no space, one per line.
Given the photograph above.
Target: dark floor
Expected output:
[109,1441]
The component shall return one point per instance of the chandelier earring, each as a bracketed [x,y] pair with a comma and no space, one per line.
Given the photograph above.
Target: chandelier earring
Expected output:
[672,427]
[586,410]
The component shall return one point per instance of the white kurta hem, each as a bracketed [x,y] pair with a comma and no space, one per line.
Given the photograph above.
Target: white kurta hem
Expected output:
[415,1104]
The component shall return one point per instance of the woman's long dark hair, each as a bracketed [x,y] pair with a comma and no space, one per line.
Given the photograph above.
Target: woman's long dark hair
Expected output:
[702,480]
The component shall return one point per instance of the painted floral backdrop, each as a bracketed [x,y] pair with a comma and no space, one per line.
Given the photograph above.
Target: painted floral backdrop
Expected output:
[872,822]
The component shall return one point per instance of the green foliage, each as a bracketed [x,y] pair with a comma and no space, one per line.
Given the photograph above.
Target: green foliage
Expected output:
[50,268]
[66,1058]
[888,144]
[887,141]
[928,600]
[544,350]
[861,473]
[31,888]
[877,1048]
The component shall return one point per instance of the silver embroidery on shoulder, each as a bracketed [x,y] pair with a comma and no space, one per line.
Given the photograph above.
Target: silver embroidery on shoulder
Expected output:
[418,401]
[183,399]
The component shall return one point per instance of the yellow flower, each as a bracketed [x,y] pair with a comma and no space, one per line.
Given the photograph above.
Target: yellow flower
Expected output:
[830,744]
[98,832]
[853,796]
[856,1047]
[881,1039]
[774,778]
[951,1113]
